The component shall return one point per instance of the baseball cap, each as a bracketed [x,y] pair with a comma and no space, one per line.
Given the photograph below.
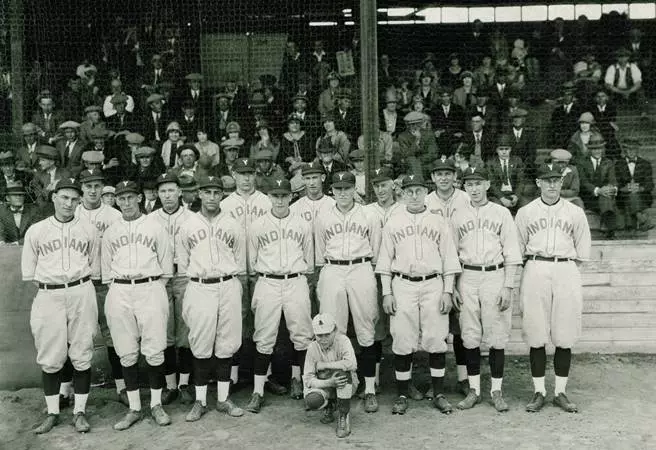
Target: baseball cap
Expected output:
[243,165]
[472,173]
[323,323]
[210,181]
[108,190]
[68,183]
[127,186]
[444,164]
[280,186]
[312,167]
[167,178]
[87,176]
[382,174]
[548,172]
[412,180]
[343,179]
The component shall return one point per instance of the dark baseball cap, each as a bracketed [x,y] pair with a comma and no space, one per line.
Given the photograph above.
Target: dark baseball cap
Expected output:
[280,186]
[68,183]
[127,186]
[444,164]
[167,178]
[313,167]
[86,176]
[546,172]
[472,173]
[210,181]
[382,174]
[343,179]
[412,180]
[243,165]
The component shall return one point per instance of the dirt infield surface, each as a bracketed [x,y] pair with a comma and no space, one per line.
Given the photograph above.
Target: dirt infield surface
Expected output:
[614,393]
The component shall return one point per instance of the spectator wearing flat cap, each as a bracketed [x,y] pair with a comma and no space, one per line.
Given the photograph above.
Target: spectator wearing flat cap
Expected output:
[635,183]
[624,80]
[337,138]
[122,120]
[148,167]
[16,215]
[71,146]
[266,170]
[224,114]
[571,187]
[599,186]
[417,147]
[465,94]
[506,176]
[448,120]
[93,119]
[26,157]
[231,150]
[49,173]
[296,144]
[564,117]
[155,119]
[328,97]
[116,91]
[46,119]
[11,175]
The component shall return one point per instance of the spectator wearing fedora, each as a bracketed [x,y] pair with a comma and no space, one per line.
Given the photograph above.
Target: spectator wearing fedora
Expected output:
[49,173]
[10,175]
[326,157]
[488,112]
[448,120]
[525,141]
[347,118]
[46,119]
[155,119]
[122,120]
[506,176]
[93,119]
[635,183]
[605,114]
[564,117]
[224,114]
[193,93]
[16,216]
[26,157]
[328,98]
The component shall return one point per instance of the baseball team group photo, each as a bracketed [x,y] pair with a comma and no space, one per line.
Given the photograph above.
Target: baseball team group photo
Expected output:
[340,241]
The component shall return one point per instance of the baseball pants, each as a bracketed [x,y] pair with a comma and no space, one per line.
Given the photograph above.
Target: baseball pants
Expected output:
[418,324]
[63,323]
[137,315]
[177,332]
[350,288]
[326,394]
[247,289]
[213,313]
[480,318]
[382,326]
[275,297]
[313,281]
[552,303]
[101,296]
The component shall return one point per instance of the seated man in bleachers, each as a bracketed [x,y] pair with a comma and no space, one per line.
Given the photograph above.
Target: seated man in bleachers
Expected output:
[506,175]
[624,80]
[599,185]
[16,216]
[571,186]
[635,184]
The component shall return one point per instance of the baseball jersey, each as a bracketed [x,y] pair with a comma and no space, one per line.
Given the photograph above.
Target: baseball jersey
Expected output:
[172,222]
[309,209]
[381,213]
[211,248]
[446,208]
[346,236]
[55,252]
[101,218]
[136,249]
[417,244]
[486,235]
[281,246]
[559,230]
[341,351]
[246,210]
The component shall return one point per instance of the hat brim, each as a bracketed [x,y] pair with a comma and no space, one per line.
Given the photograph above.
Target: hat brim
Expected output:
[437,169]
[244,170]
[377,180]
[343,184]
[206,186]
[474,176]
[280,191]
[10,191]
[92,178]
[126,190]
[312,172]
[413,184]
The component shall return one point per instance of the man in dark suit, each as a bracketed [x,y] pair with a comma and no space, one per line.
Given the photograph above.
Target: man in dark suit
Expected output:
[506,175]
[47,176]
[564,118]
[448,122]
[599,184]
[347,118]
[155,120]
[190,121]
[123,120]
[474,45]
[155,75]
[482,107]
[16,216]
[71,147]
[480,141]
[635,184]
[326,156]
[46,120]
[605,115]
[524,142]
[223,115]
[150,200]
[10,175]
[194,93]
[498,91]
[26,157]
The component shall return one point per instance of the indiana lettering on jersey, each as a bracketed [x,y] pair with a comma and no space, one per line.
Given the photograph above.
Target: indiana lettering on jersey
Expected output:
[553,223]
[276,235]
[348,227]
[449,214]
[308,216]
[480,224]
[399,234]
[82,247]
[200,235]
[134,238]
[250,210]
[101,226]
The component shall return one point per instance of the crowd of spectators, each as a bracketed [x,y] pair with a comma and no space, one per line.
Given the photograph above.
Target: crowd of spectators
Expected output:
[137,115]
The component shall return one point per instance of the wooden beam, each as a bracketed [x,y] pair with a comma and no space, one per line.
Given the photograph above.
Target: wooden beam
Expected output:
[16,18]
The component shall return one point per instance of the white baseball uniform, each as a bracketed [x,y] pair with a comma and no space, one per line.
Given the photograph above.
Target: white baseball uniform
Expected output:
[63,319]
[550,290]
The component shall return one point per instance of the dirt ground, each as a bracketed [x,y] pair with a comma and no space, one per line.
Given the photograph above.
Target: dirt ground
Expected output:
[614,395]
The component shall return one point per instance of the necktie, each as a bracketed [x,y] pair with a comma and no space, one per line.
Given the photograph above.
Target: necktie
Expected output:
[504,169]
[149,207]
[156,77]
[477,147]
[595,163]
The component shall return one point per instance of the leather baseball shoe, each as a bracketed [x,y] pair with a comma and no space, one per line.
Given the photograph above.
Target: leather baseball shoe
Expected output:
[123,397]
[415,393]
[536,403]
[256,403]
[169,396]
[187,394]
[128,420]
[563,403]
[328,413]
[275,388]
[499,403]
[48,424]
[229,408]
[343,425]
[429,394]
[80,423]
[370,403]
[160,416]
[400,405]
[442,404]
[197,411]
[463,387]
[296,389]
[470,400]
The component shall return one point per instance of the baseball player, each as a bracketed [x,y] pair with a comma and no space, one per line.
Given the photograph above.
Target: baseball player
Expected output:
[382,208]
[93,211]
[445,200]
[554,238]
[61,256]
[347,239]
[486,239]
[418,262]
[245,205]
[211,251]
[308,207]
[171,216]
[329,376]
[281,252]
[137,260]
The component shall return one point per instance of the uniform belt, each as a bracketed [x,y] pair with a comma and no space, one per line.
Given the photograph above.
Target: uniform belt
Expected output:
[548,258]
[348,262]
[212,280]
[175,269]
[49,287]
[274,276]
[483,268]
[137,281]
[416,279]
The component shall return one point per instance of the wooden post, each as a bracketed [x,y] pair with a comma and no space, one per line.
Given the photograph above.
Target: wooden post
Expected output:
[16,18]
[369,86]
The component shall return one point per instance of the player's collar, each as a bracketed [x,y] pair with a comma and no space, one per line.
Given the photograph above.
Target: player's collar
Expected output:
[549,205]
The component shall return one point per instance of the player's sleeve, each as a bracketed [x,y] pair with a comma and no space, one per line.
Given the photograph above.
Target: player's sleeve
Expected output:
[448,251]
[252,247]
[582,236]
[29,257]
[239,249]
[375,236]
[522,230]
[386,255]
[512,256]
[94,253]
[345,353]
[319,241]
[106,256]
[308,246]
[164,251]
[182,250]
